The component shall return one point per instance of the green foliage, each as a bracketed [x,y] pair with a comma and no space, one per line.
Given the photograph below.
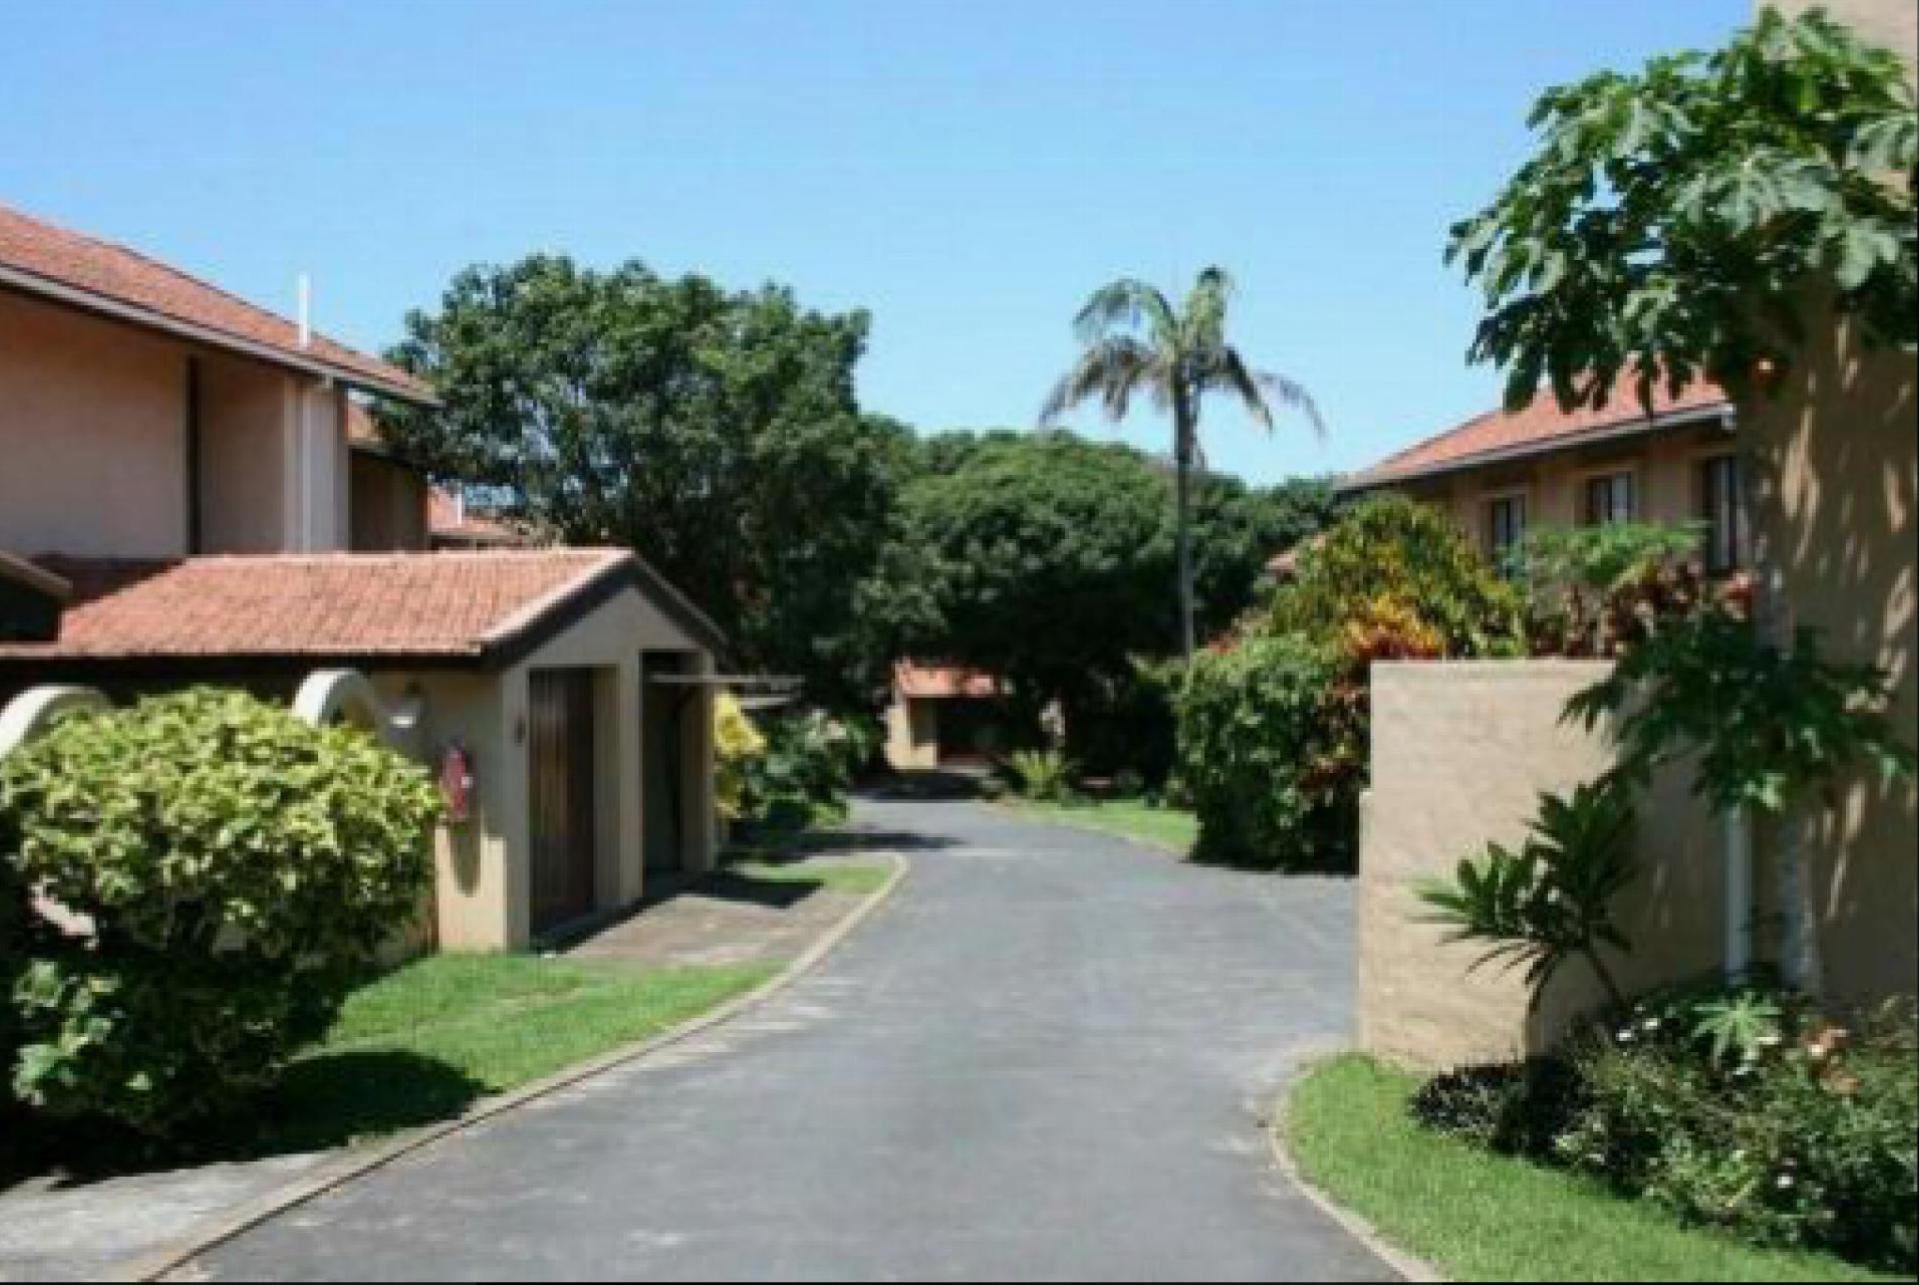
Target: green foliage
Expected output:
[1271,754]
[1126,726]
[1042,560]
[1514,1108]
[802,776]
[1770,726]
[1670,221]
[1592,591]
[1550,901]
[1391,556]
[1138,343]
[715,432]
[213,840]
[1043,776]
[1807,1138]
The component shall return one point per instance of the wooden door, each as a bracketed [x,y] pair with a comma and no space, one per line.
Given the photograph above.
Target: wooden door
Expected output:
[560,795]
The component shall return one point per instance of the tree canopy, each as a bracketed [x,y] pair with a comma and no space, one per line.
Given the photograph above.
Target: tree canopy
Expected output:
[1670,222]
[715,432]
[1045,557]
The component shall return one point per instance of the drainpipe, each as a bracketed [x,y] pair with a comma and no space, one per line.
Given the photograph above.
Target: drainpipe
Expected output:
[1739,905]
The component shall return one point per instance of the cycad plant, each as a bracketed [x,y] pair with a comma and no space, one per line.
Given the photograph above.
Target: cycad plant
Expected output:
[1549,901]
[1137,342]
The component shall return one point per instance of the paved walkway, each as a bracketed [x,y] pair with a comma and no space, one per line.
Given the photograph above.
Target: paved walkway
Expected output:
[1045,1060]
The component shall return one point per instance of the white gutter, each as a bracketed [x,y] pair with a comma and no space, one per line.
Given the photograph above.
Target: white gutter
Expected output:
[1625,429]
[30,283]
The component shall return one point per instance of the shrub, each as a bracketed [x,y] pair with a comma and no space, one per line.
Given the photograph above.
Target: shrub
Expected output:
[802,777]
[1127,724]
[239,867]
[1592,591]
[1513,1108]
[1272,754]
[1808,1139]
[1044,776]
[736,743]
[1393,560]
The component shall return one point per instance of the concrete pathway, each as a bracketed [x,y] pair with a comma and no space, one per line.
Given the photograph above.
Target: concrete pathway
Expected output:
[1046,1059]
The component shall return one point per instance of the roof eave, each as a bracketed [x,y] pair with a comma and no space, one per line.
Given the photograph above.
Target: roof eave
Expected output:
[134,314]
[1363,483]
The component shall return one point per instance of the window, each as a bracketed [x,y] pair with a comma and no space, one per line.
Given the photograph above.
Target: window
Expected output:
[1609,499]
[1722,494]
[1505,527]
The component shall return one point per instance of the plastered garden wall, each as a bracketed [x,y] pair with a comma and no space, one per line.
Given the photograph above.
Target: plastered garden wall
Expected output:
[1461,752]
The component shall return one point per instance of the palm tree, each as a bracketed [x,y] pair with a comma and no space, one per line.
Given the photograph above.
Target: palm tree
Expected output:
[1136,341]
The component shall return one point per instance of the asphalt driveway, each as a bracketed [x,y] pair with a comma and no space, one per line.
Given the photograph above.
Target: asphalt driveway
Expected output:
[1046,1059]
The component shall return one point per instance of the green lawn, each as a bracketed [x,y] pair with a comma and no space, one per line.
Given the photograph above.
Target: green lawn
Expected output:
[1171,828]
[1478,1216]
[853,878]
[423,1042]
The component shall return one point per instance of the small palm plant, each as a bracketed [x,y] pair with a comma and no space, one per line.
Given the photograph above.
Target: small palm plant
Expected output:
[1550,901]
[1045,776]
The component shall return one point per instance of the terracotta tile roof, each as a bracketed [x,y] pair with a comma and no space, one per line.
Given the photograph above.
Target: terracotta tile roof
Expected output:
[451,521]
[941,682]
[40,256]
[1540,426]
[423,605]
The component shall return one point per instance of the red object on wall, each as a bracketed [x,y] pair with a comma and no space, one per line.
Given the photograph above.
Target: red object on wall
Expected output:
[456,783]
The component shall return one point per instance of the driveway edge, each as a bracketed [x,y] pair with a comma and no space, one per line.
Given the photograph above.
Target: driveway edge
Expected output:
[1408,1267]
[361,1161]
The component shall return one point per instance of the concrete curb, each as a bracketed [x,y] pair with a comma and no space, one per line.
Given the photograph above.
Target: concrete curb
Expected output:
[357,1163]
[1408,1267]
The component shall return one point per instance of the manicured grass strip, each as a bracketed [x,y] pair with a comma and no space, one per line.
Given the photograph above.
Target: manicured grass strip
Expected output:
[422,1043]
[1170,828]
[1478,1216]
[851,878]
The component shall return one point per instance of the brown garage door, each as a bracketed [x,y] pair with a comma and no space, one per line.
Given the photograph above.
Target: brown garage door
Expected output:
[560,760]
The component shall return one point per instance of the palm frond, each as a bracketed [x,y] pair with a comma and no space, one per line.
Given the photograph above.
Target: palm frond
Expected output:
[1205,312]
[1261,391]
[1112,369]
[1124,304]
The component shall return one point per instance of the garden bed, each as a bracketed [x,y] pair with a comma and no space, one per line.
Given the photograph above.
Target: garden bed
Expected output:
[1475,1215]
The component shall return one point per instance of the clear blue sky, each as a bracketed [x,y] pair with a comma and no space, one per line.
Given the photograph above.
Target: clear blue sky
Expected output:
[967,171]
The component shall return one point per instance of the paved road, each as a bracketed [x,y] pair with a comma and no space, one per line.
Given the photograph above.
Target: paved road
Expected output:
[1045,1059]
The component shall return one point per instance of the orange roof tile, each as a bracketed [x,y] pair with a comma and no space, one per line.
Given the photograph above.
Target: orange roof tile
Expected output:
[1539,426]
[438,605]
[939,682]
[40,257]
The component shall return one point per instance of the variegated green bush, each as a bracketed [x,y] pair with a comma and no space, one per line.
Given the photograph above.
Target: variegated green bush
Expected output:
[239,866]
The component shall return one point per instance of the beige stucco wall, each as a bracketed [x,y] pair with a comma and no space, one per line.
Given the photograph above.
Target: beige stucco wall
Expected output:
[389,506]
[1460,754]
[484,866]
[94,444]
[1665,466]
[912,734]
[1835,450]
[92,436]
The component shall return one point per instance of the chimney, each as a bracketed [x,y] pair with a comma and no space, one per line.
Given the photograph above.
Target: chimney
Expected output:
[305,290]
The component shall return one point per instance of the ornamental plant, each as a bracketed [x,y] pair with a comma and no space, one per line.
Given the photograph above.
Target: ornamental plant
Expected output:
[1550,901]
[240,868]
[736,743]
[1671,221]
[1270,755]
[1592,591]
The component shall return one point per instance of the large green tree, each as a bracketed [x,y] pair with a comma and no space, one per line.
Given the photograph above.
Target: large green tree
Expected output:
[1137,343]
[715,432]
[1670,223]
[1044,557]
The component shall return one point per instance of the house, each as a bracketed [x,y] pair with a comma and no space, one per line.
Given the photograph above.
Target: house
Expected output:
[185,498]
[1504,472]
[942,715]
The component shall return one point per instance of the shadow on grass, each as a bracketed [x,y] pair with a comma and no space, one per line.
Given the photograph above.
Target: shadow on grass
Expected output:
[324,1101]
